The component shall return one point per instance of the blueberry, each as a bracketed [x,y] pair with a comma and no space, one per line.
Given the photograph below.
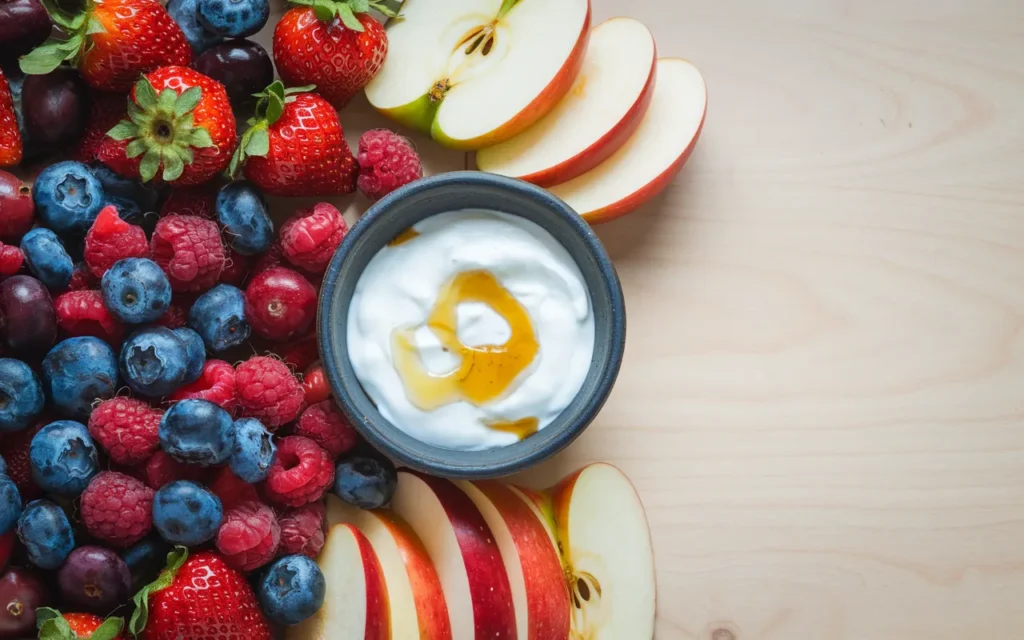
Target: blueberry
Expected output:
[136,290]
[47,259]
[63,458]
[142,197]
[253,452]
[367,481]
[292,589]
[146,559]
[242,209]
[186,513]
[197,432]
[186,14]
[21,395]
[196,351]
[77,372]
[10,504]
[46,533]
[153,361]
[219,317]
[68,197]
[234,18]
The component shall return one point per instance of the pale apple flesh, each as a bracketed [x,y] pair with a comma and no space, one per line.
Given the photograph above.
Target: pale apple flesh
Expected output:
[651,158]
[539,591]
[464,552]
[356,602]
[415,598]
[475,72]
[598,115]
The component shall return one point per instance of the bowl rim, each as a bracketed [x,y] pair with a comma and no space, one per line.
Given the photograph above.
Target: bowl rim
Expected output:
[367,426]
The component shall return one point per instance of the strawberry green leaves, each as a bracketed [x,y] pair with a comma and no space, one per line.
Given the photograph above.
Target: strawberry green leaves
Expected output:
[269,109]
[53,626]
[175,560]
[346,10]
[49,55]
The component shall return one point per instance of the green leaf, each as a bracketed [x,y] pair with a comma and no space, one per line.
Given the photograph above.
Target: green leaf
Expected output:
[186,155]
[275,108]
[184,125]
[359,6]
[145,94]
[150,165]
[94,27]
[201,138]
[277,88]
[348,18]
[48,56]
[306,88]
[174,166]
[237,158]
[136,148]
[188,101]
[137,115]
[61,17]
[167,100]
[123,130]
[258,143]
[175,559]
[324,10]
[383,9]
[110,629]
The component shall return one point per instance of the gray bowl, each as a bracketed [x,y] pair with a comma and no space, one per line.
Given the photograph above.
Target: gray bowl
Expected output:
[450,192]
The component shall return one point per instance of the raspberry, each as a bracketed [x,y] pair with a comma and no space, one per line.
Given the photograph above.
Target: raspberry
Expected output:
[266,390]
[126,428]
[191,201]
[314,384]
[280,304]
[216,384]
[175,317]
[14,449]
[11,259]
[325,425]
[303,529]
[117,509]
[162,468]
[301,473]
[249,536]
[189,250]
[82,278]
[111,239]
[386,161]
[82,313]
[311,236]
[300,355]
[231,489]
[236,268]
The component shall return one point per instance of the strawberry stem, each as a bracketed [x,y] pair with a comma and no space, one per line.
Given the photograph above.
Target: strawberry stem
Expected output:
[175,559]
[269,109]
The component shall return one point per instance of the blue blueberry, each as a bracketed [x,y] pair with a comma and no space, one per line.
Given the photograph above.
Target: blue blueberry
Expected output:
[45,531]
[153,361]
[146,559]
[136,290]
[68,197]
[186,513]
[77,372]
[242,209]
[253,452]
[367,481]
[21,395]
[198,432]
[186,14]
[115,186]
[291,590]
[196,351]
[63,458]
[234,18]
[10,504]
[47,259]
[219,317]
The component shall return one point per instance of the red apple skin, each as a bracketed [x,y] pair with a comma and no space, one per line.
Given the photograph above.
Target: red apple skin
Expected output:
[378,623]
[546,592]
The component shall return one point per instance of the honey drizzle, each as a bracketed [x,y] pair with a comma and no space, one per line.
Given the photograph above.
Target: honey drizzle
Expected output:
[403,237]
[522,428]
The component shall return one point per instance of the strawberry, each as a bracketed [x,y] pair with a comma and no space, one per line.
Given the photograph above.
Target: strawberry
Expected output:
[333,44]
[180,121]
[106,111]
[295,146]
[53,625]
[198,597]
[10,137]
[112,42]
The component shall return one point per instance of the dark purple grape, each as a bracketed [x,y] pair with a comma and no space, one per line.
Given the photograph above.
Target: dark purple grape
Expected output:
[28,322]
[145,559]
[55,105]
[243,67]
[21,593]
[23,25]
[95,579]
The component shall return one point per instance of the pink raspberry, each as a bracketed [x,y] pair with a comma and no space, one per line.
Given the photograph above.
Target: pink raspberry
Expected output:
[301,473]
[14,447]
[82,313]
[82,278]
[111,239]
[386,161]
[300,354]
[311,236]
[303,530]
[117,509]
[324,424]
[127,429]
[189,250]
[216,384]
[231,489]
[191,201]
[11,259]
[265,389]
[175,317]
[249,536]
[162,468]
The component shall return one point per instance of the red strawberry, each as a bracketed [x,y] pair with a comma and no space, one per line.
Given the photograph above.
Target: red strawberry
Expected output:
[53,625]
[10,137]
[180,122]
[106,111]
[112,43]
[199,597]
[296,146]
[329,45]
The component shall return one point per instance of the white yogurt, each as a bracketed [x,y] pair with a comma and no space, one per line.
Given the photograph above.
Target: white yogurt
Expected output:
[400,287]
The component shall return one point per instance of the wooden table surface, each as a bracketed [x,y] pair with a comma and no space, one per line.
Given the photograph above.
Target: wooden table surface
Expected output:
[822,401]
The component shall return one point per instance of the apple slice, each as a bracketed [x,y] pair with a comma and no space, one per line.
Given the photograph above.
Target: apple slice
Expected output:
[415,597]
[606,550]
[472,73]
[356,603]
[463,550]
[654,154]
[601,111]
[539,593]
